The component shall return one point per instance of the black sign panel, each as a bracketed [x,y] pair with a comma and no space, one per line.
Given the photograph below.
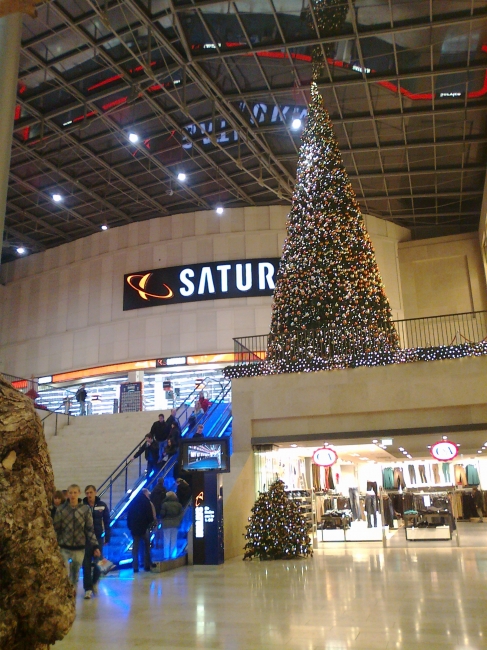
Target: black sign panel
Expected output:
[195,282]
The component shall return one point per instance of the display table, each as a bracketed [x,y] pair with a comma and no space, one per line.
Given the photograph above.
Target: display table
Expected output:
[428,526]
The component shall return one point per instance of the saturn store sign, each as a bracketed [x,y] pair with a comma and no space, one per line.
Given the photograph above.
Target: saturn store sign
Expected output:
[235,279]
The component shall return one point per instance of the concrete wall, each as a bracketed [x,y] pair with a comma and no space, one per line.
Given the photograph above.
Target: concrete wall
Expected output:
[61,310]
[442,276]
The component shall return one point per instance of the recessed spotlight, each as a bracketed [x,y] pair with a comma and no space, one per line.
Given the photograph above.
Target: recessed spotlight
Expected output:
[405,452]
[294,445]
[104,227]
[219,210]
[445,437]
[133,137]
[57,198]
[20,250]
[429,446]
[181,176]
[479,451]
[409,456]
[375,441]
[296,123]
[401,448]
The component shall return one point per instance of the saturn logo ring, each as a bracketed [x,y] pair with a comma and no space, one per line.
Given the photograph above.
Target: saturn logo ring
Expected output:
[138,282]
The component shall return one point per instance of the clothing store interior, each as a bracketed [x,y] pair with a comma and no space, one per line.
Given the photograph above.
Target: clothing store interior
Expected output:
[396,491]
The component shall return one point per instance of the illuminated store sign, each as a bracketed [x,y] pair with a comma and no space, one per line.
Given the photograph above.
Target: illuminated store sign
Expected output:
[325,457]
[444,450]
[176,284]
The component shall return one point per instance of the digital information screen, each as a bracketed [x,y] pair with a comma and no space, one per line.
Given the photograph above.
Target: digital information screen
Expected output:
[204,457]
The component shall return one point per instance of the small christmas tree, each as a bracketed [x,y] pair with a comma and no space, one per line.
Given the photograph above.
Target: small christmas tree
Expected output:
[328,281]
[277,529]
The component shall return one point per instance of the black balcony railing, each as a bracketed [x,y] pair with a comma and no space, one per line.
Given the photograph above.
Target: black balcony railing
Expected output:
[431,332]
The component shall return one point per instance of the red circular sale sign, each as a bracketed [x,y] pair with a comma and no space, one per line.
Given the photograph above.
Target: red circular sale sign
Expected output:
[444,450]
[325,457]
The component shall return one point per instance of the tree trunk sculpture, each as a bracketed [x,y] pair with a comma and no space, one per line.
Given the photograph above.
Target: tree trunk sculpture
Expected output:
[37,601]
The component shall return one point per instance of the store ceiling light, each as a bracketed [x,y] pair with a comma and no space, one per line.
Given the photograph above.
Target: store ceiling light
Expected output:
[401,448]
[445,437]
[133,137]
[219,210]
[104,227]
[409,456]
[57,198]
[375,441]
[181,176]
[296,123]
[294,445]
[20,250]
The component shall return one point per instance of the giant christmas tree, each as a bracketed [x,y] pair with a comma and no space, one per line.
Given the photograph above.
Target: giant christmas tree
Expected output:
[329,301]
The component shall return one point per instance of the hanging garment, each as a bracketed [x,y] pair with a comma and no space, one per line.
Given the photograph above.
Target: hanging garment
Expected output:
[472,475]
[446,472]
[460,475]
[315,469]
[412,473]
[372,485]
[436,473]
[422,474]
[331,482]
[371,509]
[399,478]
[388,478]
[354,502]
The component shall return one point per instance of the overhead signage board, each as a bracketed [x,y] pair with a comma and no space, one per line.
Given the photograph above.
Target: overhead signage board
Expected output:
[196,282]
[444,450]
[325,457]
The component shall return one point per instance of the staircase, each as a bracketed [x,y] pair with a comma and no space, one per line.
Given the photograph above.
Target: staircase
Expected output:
[82,452]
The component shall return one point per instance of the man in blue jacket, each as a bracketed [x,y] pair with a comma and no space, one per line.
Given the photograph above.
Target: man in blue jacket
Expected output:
[101,525]
[73,524]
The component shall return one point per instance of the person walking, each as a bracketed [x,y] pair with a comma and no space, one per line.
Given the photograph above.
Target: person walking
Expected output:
[81,396]
[478,501]
[73,524]
[140,517]
[101,526]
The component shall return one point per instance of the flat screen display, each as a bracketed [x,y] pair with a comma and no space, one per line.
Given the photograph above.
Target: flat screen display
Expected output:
[205,455]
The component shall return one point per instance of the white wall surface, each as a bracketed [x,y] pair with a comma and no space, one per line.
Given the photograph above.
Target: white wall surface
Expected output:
[61,310]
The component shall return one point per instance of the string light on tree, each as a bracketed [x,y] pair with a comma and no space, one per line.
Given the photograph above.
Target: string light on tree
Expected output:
[328,278]
[277,528]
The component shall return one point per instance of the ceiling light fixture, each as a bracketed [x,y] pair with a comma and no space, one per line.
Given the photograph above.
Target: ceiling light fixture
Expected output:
[445,437]
[401,448]
[57,198]
[294,445]
[20,250]
[133,137]
[296,123]
[219,209]
[375,441]
[104,227]
[181,176]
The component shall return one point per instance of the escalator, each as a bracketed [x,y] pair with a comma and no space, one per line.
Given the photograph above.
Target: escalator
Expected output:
[127,481]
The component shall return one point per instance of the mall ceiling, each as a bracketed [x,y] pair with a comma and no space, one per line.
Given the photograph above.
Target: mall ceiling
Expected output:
[211,90]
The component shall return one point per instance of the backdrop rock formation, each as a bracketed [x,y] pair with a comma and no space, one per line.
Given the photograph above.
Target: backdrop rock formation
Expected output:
[37,601]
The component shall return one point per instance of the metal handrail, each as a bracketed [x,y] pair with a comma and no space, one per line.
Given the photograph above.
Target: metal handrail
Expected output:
[107,485]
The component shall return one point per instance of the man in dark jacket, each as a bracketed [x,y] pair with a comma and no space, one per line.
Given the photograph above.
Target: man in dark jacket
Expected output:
[73,524]
[81,396]
[478,501]
[151,449]
[159,431]
[183,492]
[140,516]
[101,525]
[158,495]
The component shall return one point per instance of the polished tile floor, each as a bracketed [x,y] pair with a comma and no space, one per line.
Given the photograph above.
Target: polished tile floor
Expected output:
[360,598]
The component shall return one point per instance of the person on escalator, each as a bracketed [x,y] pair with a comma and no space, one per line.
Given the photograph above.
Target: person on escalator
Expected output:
[151,449]
[204,402]
[199,432]
[141,516]
[158,495]
[183,492]
[171,514]
[172,444]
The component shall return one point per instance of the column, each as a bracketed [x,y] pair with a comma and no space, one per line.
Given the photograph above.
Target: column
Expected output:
[10,36]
